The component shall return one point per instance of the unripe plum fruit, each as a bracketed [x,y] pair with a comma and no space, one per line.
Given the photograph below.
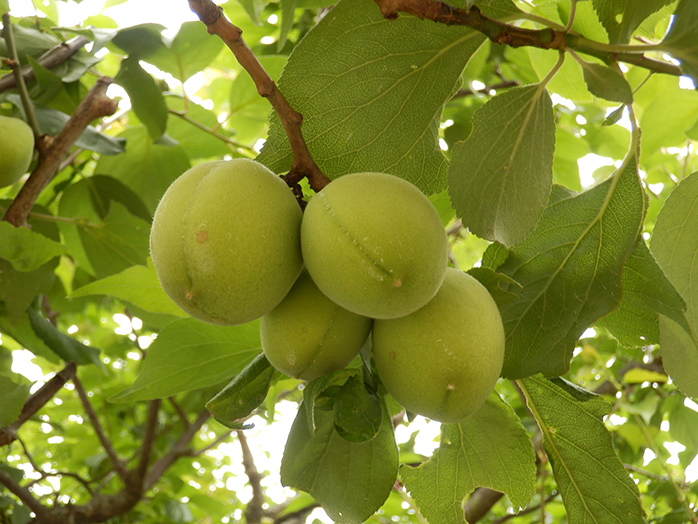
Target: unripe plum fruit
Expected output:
[307,335]
[443,360]
[374,244]
[225,241]
[16,149]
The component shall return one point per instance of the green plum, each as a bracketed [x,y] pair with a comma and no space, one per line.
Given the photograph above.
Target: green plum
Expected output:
[443,360]
[308,335]
[374,244]
[16,149]
[225,241]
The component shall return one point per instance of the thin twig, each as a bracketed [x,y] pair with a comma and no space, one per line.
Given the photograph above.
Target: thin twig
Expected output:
[213,444]
[180,412]
[49,60]
[23,494]
[526,511]
[303,165]
[180,448]
[255,507]
[147,445]
[106,443]
[16,67]
[95,105]
[36,401]
[228,141]
[500,85]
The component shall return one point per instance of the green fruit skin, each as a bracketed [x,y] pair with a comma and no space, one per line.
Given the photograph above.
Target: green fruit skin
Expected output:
[16,149]
[443,361]
[374,244]
[225,241]
[308,335]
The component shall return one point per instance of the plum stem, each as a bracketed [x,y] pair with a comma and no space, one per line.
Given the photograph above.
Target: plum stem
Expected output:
[303,165]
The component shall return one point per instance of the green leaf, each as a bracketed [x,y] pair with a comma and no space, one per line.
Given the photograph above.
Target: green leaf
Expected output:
[351,480]
[25,249]
[138,285]
[253,8]
[190,52]
[639,375]
[622,17]
[490,448]
[357,411]
[675,246]
[570,270]
[196,142]
[249,112]
[500,177]
[66,347]
[141,40]
[315,396]
[146,167]
[681,39]
[646,293]
[188,355]
[243,394]
[607,83]
[22,332]
[18,288]
[369,106]
[13,392]
[594,485]
[288,10]
[146,99]
[120,242]
[89,201]
[52,121]
[660,132]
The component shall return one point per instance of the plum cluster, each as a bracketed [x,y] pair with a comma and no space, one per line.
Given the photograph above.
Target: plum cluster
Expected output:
[367,259]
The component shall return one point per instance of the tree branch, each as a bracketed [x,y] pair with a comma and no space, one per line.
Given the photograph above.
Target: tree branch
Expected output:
[23,494]
[139,474]
[106,444]
[36,401]
[50,59]
[303,164]
[513,36]
[179,449]
[254,510]
[94,105]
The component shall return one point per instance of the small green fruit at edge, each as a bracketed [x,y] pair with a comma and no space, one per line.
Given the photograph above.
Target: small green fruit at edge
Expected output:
[308,335]
[225,241]
[16,149]
[443,361]
[374,244]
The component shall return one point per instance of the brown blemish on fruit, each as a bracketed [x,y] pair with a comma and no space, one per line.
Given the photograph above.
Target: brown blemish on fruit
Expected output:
[451,387]
[392,355]
[189,295]
[397,282]
[201,237]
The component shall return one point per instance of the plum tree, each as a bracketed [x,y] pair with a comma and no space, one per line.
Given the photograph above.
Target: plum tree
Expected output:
[225,241]
[307,335]
[443,360]
[374,244]
[16,149]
